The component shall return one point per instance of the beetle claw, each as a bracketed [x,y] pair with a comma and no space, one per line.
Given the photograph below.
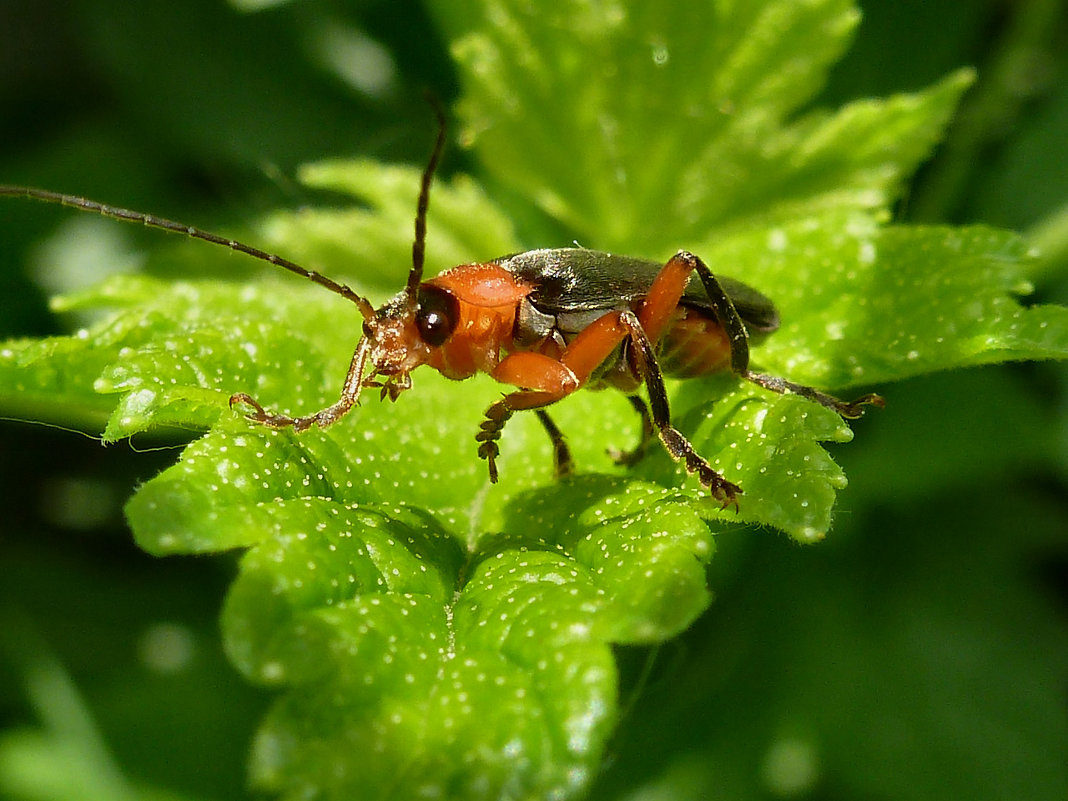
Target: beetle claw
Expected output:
[850,410]
[853,409]
[724,491]
[260,415]
[729,491]
[680,448]
[489,452]
[489,431]
[240,397]
[626,458]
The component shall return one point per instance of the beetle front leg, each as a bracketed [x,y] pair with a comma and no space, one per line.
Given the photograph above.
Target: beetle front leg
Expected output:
[350,396]
[490,431]
[544,380]
[501,412]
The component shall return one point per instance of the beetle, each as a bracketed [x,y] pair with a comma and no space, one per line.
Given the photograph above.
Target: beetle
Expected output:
[548,322]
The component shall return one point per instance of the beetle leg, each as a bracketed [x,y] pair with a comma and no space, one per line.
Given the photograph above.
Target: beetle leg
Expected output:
[632,457]
[850,410]
[728,317]
[543,380]
[546,380]
[500,413]
[667,290]
[562,463]
[350,396]
[674,442]
[664,294]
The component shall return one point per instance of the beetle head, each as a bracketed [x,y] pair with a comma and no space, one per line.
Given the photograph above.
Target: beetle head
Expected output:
[400,336]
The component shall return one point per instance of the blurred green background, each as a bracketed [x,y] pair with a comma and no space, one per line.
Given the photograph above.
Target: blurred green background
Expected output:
[920,652]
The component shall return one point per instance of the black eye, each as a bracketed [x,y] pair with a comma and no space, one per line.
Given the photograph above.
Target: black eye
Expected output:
[435,314]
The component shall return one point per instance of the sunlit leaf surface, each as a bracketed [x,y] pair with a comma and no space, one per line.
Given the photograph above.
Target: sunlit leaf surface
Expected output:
[433,635]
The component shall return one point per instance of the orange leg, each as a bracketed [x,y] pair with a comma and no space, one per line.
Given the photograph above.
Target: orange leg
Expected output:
[664,296]
[667,290]
[546,380]
[543,381]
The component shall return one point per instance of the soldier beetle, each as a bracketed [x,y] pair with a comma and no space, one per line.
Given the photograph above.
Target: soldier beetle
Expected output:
[547,322]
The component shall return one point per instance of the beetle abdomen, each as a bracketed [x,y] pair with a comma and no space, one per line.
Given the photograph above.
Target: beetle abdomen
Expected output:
[693,345]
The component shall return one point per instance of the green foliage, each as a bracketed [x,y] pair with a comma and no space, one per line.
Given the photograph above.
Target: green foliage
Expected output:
[686,117]
[462,633]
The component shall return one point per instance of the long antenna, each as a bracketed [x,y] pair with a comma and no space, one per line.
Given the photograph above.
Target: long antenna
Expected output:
[419,244]
[151,221]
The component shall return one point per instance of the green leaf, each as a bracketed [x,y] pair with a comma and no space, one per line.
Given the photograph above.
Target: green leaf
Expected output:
[434,635]
[374,244]
[934,599]
[865,304]
[398,641]
[684,117]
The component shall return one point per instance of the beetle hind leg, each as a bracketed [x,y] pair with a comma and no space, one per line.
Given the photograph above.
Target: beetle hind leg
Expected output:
[728,317]
[850,410]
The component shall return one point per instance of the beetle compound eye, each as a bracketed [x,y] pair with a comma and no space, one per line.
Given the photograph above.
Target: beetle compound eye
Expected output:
[434,327]
[435,314]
